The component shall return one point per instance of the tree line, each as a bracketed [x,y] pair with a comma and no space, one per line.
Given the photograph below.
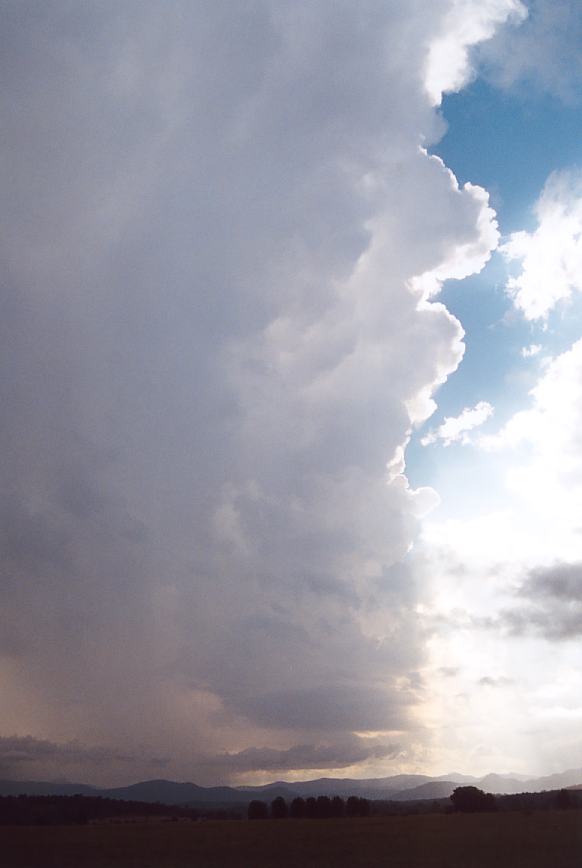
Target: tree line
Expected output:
[311,808]
[79,809]
[471,800]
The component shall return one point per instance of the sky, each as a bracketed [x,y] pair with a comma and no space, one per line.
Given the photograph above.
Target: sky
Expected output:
[292,389]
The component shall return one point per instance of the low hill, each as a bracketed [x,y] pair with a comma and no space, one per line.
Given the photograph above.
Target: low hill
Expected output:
[430,790]
[569,778]
[172,793]
[369,788]
[502,785]
[394,788]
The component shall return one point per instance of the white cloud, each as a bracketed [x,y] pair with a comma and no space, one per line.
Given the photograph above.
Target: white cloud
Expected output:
[550,256]
[469,255]
[467,23]
[550,426]
[456,429]
[531,350]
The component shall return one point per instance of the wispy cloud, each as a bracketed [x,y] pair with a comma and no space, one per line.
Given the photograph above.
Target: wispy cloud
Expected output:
[456,429]
[531,350]
[541,54]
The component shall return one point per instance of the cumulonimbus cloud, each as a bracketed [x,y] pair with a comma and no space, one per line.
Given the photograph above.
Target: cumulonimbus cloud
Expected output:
[212,344]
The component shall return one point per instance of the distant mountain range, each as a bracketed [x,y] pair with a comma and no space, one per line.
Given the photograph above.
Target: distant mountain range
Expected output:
[395,788]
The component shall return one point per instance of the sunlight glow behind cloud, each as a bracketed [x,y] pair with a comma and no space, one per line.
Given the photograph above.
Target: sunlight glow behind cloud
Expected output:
[507,579]
[551,256]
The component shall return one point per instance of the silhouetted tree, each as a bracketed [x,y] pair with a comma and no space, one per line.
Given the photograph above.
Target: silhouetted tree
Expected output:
[311,808]
[298,808]
[357,807]
[323,807]
[337,806]
[279,808]
[257,810]
[352,806]
[364,808]
[471,800]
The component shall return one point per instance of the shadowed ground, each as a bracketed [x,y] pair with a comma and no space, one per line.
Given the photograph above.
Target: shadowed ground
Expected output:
[549,840]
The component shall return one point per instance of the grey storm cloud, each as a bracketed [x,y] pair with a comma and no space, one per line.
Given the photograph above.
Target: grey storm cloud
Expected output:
[548,603]
[449,671]
[21,755]
[557,624]
[554,603]
[306,756]
[560,581]
[329,708]
[495,681]
[209,350]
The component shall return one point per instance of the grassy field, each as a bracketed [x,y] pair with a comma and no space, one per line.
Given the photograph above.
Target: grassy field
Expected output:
[540,840]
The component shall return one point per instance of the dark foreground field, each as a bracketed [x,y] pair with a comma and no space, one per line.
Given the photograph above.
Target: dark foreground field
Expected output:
[547,839]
